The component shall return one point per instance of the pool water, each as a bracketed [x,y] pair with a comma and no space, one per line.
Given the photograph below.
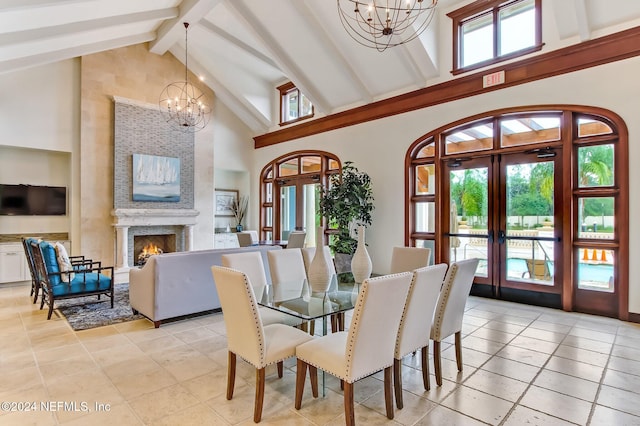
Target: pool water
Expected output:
[586,271]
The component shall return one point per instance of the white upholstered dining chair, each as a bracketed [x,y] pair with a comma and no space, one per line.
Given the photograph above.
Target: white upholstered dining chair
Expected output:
[415,324]
[288,276]
[447,319]
[366,348]
[260,345]
[251,264]
[404,259]
[296,239]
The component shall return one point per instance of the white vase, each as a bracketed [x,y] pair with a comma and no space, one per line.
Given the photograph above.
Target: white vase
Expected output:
[320,270]
[361,266]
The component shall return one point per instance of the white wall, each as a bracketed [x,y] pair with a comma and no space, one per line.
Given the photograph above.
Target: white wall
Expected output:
[379,147]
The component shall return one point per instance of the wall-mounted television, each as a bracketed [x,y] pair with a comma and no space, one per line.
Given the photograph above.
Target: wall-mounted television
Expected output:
[30,200]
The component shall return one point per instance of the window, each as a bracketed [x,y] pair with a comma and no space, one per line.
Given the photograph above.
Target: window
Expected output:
[487,32]
[290,189]
[294,105]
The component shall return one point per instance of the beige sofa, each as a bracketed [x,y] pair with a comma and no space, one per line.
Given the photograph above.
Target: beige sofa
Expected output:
[176,284]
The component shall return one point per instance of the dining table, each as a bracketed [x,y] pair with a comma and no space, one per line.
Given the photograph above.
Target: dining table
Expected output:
[281,243]
[308,305]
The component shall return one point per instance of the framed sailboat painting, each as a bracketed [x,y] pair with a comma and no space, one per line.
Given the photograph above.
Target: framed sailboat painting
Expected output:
[156,178]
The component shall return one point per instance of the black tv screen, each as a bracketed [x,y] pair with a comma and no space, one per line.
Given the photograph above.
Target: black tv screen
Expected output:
[29,200]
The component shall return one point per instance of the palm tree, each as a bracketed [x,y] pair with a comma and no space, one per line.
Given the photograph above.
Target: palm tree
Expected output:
[595,168]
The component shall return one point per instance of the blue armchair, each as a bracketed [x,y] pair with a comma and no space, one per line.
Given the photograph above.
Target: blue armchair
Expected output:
[86,279]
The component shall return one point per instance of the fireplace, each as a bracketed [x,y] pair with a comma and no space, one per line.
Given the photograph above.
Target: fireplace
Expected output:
[145,246]
[174,226]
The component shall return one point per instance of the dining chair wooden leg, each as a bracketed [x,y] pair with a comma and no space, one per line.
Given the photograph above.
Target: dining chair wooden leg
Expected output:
[301,370]
[231,374]
[425,368]
[349,413]
[388,391]
[313,376]
[436,362]
[341,320]
[304,327]
[257,411]
[280,366]
[334,323]
[312,327]
[397,382]
[459,350]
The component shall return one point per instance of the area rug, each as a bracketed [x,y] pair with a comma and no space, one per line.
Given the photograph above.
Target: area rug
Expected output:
[89,312]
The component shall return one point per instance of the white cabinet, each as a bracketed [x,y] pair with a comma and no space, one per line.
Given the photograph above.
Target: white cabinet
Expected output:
[225,240]
[13,263]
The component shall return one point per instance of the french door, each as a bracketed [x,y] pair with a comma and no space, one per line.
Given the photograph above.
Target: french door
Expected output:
[504,209]
[298,201]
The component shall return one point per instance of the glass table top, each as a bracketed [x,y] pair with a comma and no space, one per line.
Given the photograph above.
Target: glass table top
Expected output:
[298,300]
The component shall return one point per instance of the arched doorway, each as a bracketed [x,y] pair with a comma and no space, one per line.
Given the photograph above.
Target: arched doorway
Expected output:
[539,195]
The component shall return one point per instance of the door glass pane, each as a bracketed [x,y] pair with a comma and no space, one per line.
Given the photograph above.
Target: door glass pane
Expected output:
[473,246]
[333,165]
[596,216]
[477,40]
[596,269]
[269,216]
[526,130]
[268,192]
[310,164]
[430,244]
[289,167]
[590,127]
[517,27]
[469,215]
[529,196]
[426,179]
[425,217]
[310,205]
[427,151]
[476,138]
[287,210]
[595,166]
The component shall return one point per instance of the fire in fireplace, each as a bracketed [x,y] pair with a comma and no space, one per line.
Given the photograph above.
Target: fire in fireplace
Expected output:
[146,246]
[148,251]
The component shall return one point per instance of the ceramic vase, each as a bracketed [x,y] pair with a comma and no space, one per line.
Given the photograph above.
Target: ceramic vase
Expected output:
[361,266]
[320,272]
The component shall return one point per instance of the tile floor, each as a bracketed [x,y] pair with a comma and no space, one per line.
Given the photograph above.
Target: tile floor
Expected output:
[522,365]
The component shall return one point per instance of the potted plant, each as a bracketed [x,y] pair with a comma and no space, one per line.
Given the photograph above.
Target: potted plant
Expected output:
[346,204]
[239,207]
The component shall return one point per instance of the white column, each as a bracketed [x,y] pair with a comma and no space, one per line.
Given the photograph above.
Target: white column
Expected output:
[188,237]
[122,251]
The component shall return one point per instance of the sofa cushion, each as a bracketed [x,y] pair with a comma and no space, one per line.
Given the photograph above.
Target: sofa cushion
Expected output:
[50,262]
[82,283]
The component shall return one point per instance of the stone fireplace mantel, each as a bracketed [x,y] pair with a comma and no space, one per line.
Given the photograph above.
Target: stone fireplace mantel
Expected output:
[123,219]
[153,217]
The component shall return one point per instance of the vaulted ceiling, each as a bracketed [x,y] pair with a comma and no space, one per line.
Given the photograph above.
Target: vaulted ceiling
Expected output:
[245,48]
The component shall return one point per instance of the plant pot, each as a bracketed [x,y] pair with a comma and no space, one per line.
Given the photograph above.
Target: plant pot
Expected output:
[238,228]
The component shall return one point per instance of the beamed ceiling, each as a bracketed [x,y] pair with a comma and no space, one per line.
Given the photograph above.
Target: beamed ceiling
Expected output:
[244,49]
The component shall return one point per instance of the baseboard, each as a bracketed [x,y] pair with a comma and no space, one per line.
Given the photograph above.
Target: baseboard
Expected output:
[634,317]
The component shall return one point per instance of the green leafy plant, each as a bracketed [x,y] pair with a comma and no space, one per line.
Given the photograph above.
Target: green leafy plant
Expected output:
[347,203]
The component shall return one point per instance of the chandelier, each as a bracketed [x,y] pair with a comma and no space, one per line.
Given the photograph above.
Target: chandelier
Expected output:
[380,24]
[184,106]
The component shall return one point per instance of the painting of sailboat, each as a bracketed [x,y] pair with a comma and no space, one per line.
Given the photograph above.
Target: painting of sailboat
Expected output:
[156,178]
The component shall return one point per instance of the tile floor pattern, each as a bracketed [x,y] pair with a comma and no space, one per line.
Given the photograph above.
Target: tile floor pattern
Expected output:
[522,365]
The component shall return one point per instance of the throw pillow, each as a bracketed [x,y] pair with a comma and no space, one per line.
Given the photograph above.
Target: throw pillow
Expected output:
[63,262]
